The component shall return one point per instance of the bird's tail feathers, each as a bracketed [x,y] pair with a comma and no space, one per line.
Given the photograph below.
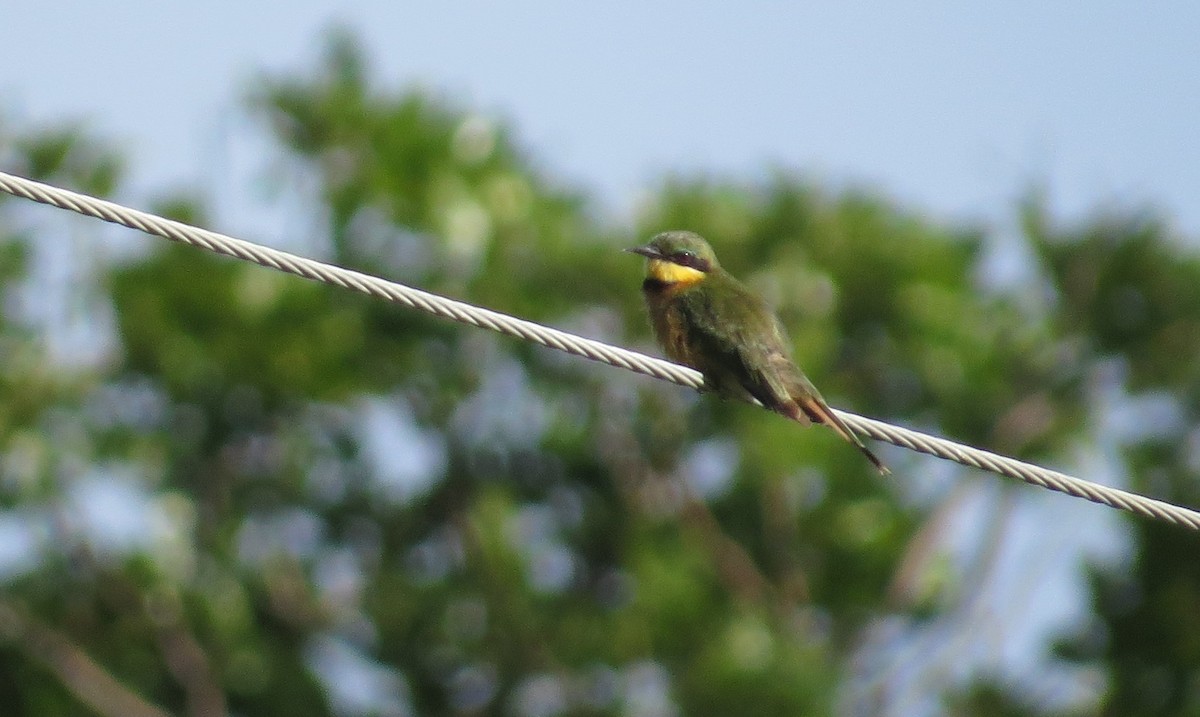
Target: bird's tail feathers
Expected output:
[816,411]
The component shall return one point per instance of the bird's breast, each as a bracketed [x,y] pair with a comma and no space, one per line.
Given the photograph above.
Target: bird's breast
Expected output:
[669,321]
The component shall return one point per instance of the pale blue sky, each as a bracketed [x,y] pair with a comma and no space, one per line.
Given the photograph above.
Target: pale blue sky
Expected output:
[951,107]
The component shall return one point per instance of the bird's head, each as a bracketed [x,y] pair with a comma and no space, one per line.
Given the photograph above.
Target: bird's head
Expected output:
[677,257]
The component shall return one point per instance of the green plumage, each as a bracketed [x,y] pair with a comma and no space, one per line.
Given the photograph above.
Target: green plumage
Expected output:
[705,318]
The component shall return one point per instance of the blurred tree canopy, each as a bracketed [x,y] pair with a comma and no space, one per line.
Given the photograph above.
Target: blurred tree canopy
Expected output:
[272,497]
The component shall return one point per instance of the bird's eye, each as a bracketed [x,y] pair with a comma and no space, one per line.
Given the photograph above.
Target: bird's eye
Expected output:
[689,258]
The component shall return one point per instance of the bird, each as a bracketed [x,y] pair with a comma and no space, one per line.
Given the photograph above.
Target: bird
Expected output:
[706,319]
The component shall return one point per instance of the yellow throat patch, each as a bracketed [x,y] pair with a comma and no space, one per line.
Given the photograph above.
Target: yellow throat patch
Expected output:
[671,273]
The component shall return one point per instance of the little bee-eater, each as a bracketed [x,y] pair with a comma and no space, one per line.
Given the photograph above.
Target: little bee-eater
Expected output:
[708,320]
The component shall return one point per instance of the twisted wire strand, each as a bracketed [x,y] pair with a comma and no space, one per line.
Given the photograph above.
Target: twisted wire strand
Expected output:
[572,344]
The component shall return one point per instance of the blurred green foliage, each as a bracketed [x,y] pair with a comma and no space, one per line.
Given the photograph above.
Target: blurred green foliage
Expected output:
[344,507]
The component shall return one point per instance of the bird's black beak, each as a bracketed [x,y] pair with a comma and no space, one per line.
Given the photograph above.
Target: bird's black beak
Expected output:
[647,251]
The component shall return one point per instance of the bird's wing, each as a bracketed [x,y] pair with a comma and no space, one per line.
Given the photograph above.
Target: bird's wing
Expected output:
[746,355]
[752,355]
